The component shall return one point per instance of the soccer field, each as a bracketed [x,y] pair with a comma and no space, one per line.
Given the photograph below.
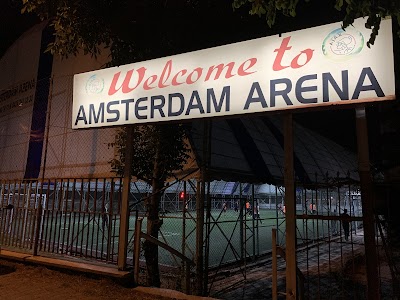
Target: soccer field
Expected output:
[95,235]
[227,239]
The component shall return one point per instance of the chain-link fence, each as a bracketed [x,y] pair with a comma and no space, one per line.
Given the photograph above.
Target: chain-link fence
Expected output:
[36,139]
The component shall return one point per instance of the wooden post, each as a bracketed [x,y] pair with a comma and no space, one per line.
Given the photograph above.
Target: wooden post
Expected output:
[290,209]
[274,267]
[136,250]
[124,214]
[367,199]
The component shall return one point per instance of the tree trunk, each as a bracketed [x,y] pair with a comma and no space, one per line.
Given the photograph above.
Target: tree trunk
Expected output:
[153,226]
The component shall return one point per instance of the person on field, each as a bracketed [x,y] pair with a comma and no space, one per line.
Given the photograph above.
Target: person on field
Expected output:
[248,207]
[257,212]
[105,217]
[346,224]
[224,207]
[313,209]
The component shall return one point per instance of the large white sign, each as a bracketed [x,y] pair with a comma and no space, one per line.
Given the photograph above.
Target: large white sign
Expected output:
[313,67]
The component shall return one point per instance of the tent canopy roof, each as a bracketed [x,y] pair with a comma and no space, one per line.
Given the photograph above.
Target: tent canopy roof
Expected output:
[250,149]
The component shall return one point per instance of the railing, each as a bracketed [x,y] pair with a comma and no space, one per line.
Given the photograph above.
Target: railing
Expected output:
[75,217]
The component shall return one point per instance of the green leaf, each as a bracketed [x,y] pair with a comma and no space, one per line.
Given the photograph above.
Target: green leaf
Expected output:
[339,4]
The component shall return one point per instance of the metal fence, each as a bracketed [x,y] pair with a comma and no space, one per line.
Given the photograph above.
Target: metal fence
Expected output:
[81,218]
[76,217]
[330,251]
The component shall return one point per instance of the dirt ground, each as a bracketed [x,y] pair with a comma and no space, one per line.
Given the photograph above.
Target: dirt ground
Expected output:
[20,281]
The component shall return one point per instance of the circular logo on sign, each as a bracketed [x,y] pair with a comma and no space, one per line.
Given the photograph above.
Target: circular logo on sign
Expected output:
[343,44]
[94,85]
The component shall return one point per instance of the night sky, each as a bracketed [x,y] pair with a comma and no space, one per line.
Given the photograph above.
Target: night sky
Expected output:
[12,23]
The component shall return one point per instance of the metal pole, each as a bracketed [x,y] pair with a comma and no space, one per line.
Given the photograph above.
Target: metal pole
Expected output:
[136,250]
[254,208]
[199,239]
[183,245]
[126,183]
[26,206]
[274,267]
[208,230]
[200,270]
[290,209]
[242,206]
[207,162]
[258,220]
[187,278]
[367,198]
[40,205]
[276,212]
